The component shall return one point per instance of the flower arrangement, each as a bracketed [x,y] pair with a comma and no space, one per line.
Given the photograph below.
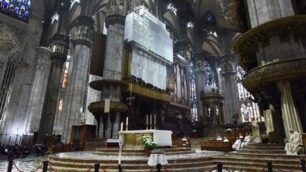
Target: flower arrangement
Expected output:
[228,130]
[147,142]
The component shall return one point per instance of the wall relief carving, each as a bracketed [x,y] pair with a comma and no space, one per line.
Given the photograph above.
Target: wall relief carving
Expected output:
[8,41]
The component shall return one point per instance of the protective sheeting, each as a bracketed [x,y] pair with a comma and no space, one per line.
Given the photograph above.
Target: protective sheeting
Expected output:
[145,29]
[149,70]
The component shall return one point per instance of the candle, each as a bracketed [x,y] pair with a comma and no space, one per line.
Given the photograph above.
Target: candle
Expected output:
[121,126]
[120,152]
[155,121]
[147,121]
[151,121]
[127,123]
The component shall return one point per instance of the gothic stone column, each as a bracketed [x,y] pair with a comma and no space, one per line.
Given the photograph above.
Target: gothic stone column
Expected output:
[113,69]
[231,97]
[39,88]
[75,102]
[199,73]
[290,115]
[58,56]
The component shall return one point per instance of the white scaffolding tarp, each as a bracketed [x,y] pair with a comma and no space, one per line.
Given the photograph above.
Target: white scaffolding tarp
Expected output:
[150,70]
[145,29]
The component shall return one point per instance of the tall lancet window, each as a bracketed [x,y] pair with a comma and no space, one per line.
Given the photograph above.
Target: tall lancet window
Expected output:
[249,109]
[210,73]
[6,84]
[193,93]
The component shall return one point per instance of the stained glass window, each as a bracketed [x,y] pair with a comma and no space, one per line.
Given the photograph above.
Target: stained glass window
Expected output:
[19,9]
[193,94]
[210,75]
[249,109]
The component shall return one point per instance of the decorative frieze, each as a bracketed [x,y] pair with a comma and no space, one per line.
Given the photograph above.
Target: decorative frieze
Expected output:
[273,72]
[259,38]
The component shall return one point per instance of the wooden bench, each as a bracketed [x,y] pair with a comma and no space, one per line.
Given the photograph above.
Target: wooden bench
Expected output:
[216,145]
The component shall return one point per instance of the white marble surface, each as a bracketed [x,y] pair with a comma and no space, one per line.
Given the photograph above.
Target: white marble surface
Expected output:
[33,162]
[94,156]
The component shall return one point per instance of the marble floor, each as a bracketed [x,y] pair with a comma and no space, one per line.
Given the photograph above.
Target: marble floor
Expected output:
[28,164]
[32,162]
[94,156]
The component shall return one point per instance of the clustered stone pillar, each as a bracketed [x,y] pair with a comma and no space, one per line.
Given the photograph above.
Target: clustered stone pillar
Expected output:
[39,88]
[199,73]
[231,97]
[113,66]
[290,116]
[58,55]
[261,11]
[76,93]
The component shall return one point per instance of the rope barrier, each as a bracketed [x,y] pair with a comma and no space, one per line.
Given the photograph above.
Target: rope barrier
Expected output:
[166,170]
[51,168]
[284,170]
[37,168]
[211,170]
[226,169]
[89,170]
[263,169]
[17,167]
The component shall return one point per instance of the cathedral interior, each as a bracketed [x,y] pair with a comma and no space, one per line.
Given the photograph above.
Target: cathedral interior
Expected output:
[79,75]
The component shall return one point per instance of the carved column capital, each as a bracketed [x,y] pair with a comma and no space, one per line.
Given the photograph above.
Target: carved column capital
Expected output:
[228,64]
[59,47]
[82,31]
[114,19]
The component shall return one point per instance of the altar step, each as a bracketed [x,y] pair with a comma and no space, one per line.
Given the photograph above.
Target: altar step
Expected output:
[93,144]
[189,169]
[140,152]
[265,146]
[255,157]
[139,165]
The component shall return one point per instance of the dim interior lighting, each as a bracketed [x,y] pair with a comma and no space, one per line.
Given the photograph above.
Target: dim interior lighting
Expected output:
[219,69]
[172,8]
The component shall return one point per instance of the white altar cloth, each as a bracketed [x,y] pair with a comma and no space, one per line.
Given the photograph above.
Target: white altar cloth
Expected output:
[160,137]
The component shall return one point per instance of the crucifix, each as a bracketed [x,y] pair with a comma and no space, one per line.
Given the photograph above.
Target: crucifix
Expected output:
[130,98]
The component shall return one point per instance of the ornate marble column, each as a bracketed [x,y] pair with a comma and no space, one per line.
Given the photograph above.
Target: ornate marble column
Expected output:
[231,97]
[199,73]
[115,131]
[290,116]
[113,64]
[76,93]
[39,88]
[262,11]
[58,57]
[59,51]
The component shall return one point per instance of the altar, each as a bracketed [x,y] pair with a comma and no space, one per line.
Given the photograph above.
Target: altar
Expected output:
[133,138]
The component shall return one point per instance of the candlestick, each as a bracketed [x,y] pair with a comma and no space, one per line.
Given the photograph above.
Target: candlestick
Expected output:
[120,153]
[127,123]
[147,121]
[154,121]
[151,121]
[121,126]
